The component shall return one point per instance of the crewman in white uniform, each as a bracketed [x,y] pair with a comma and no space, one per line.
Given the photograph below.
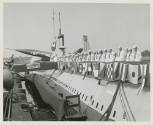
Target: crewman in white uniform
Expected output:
[135,54]
[101,56]
[138,56]
[112,56]
[98,55]
[55,58]
[92,55]
[104,55]
[132,56]
[118,54]
[108,55]
[128,54]
[123,54]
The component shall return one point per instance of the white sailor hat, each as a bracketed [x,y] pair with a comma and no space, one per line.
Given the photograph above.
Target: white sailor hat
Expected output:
[120,48]
[135,47]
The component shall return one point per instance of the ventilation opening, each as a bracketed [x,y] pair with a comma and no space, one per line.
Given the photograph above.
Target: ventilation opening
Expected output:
[92,102]
[86,98]
[91,97]
[114,113]
[97,104]
[102,107]
[133,74]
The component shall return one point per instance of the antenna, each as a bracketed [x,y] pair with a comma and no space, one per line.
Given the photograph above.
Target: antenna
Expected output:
[60,24]
[54,25]
[61,37]
[86,43]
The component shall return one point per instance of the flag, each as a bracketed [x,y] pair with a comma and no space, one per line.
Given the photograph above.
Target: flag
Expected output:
[80,68]
[53,46]
[133,73]
[123,70]
[101,70]
[142,77]
[116,70]
[95,68]
[109,71]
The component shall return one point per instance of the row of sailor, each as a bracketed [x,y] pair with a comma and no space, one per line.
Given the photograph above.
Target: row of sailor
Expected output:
[106,55]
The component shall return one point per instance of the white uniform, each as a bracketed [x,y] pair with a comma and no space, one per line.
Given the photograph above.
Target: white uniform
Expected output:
[123,55]
[103,56]
[138,56]
[132,56]
[112,57]
[118,54]
[92,56]
[107,56]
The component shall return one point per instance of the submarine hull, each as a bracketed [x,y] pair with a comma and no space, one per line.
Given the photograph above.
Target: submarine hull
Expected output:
[95,98]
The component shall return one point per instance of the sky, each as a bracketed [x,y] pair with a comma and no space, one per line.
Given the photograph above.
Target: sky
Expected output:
[30,26]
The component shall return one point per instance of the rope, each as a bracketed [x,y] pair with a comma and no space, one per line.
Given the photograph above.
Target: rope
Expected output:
[123,105]
[128,103]
[105,116]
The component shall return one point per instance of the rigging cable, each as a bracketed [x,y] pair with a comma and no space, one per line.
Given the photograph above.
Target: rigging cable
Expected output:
[105,116]
[128,103]
[123,105]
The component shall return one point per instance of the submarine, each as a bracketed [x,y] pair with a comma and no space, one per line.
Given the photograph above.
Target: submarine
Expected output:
[86,85]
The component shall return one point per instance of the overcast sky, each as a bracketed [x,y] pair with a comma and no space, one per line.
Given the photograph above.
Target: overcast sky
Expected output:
[107,25]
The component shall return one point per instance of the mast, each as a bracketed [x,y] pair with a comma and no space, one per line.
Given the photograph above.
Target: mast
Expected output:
[53,44]
[61,37]
[86,43]
[54,25]
[60,31]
